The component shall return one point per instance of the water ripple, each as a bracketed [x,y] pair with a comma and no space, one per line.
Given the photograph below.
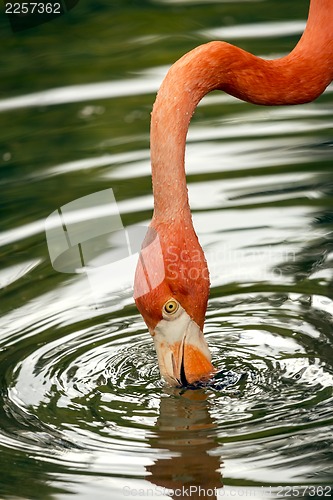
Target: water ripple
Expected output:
[98,389]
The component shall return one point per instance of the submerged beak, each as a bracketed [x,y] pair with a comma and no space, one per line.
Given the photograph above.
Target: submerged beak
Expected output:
[182,351]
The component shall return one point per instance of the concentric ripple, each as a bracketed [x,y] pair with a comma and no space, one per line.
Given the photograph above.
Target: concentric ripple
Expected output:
[280,413]
[76,391]
[96,392]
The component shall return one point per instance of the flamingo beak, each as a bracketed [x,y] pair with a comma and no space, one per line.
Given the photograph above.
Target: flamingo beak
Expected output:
[183,354]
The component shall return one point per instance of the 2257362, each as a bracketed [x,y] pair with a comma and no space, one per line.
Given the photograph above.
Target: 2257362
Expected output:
[26,8]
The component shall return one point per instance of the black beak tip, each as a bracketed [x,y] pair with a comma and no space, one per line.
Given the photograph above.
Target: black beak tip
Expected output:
[183,381]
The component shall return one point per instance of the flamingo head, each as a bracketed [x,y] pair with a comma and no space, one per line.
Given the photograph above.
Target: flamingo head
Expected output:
[171,292]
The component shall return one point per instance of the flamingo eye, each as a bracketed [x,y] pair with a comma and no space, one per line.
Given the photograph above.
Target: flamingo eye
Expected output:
[171,306]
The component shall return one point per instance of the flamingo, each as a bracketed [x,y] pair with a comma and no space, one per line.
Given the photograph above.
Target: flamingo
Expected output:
[171,285]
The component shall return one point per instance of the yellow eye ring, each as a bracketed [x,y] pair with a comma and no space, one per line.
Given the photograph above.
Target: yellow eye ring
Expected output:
[171,306]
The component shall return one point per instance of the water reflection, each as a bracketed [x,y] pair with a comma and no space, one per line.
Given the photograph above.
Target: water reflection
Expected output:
[187,432]
[38,484]
[313,262]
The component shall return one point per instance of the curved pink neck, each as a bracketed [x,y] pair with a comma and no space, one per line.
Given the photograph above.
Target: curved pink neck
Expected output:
[297,78]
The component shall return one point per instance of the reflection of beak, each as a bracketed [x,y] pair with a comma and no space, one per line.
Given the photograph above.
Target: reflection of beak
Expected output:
[182,351]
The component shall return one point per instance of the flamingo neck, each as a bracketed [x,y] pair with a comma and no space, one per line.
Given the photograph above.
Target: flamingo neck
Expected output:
[296,78]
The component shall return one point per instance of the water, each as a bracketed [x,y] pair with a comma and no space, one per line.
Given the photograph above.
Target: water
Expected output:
[83,410]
